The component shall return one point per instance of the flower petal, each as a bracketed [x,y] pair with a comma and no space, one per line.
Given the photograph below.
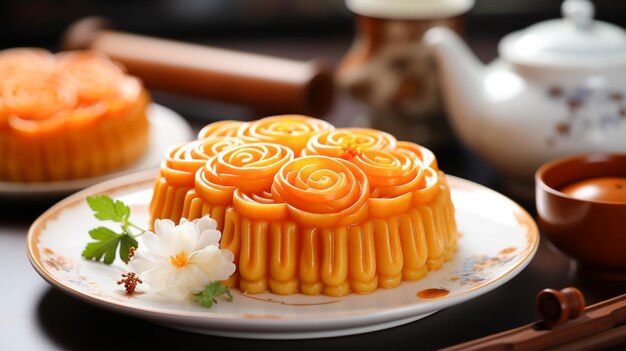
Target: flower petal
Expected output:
[162,226]
[183,282]
[185,237]
[142,264]
[205,222]
[228,269]
[174,277]
[198,280]
[228,255]
[152,242]
[177,291]
[157,276]
[208,237]
[164,230]
[211,262]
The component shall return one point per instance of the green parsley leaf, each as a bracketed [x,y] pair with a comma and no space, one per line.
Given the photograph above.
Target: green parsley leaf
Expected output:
[105,245]
[207,297]
[107,241]
[126,242]
[107,209]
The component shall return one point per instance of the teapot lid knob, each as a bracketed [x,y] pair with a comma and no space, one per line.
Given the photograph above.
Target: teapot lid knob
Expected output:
[580,12]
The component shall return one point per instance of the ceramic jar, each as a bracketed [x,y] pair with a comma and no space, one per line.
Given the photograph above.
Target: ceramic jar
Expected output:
[390,71]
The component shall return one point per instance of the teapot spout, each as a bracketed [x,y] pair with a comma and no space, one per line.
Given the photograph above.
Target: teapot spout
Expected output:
[462,76]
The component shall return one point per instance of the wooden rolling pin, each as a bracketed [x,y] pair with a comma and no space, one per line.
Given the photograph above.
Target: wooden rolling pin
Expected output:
[267,84]
[566,325]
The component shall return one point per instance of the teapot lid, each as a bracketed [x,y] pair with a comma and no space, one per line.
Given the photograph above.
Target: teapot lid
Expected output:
[409,9]
[577,40]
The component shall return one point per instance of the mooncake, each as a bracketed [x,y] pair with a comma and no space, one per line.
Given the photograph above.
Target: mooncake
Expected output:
[312,209]
[67,116]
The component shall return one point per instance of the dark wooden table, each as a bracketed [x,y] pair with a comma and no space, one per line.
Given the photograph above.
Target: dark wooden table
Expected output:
[35,316]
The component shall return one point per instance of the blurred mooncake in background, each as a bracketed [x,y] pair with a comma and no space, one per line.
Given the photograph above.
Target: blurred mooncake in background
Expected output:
[68,116]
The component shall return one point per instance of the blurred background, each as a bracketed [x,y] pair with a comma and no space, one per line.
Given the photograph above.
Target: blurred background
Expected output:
[297,29]
[41,22]
[293,29]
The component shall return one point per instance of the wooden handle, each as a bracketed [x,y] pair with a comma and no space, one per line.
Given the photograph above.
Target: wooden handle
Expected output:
[597,326]
[268,84]
[557,307]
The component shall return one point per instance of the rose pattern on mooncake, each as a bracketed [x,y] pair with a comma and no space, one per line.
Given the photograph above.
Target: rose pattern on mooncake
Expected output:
[356,210]
[67,116]
[221,128]
[249,167]
[327,198]
[292,131]
[25,60]
[419,153]
[348,142]
[178,172]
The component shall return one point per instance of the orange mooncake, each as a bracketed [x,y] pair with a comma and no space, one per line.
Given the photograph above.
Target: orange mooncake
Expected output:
[307,208]
[67,116]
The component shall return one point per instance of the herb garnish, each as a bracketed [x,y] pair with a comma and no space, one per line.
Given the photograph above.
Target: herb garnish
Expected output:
[208,296]
[107,241]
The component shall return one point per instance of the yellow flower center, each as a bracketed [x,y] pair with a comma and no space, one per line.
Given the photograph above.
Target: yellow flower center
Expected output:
[179,260]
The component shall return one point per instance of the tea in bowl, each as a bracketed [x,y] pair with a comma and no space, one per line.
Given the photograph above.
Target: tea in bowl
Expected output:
[581,209]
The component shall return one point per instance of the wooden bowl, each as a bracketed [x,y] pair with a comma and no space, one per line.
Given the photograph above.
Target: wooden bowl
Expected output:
[581,208]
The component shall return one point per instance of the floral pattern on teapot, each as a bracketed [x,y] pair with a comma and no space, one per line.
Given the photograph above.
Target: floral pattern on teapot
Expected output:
[587,110]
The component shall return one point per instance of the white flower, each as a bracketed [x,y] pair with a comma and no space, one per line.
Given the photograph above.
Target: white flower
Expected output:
[180,260]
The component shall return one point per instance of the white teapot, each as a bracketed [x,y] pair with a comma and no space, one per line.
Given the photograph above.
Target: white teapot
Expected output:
[558,88]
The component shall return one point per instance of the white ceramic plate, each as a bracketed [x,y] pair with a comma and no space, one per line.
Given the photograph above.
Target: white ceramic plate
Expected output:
[166,128]
[497,240]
